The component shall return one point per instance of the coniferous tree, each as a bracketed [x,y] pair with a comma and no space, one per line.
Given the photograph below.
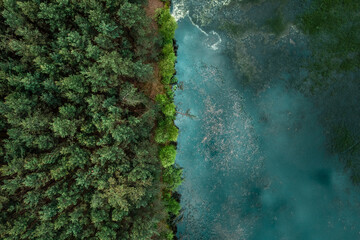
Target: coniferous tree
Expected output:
[76,157]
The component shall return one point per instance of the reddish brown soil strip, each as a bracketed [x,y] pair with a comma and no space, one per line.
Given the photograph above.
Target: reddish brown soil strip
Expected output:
[155,86]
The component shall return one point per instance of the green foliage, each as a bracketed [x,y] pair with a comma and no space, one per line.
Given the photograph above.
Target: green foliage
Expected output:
[167,106]
[64,127]
[170,91]
[166,132]
[167,24]
[174,80]
[167,63]
[169,235]
[162,99]
[169,109]
[76,157]
[172,176]
[171,204]
[167,155]
[167,69]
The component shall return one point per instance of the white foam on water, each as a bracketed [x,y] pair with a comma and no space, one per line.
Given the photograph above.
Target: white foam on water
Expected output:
[179,12]
[198,27]
[226,2]
[215,45]
[212,46]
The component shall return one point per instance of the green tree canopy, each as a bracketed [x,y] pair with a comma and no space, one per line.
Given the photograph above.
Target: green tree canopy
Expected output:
[167,155]
[76,157]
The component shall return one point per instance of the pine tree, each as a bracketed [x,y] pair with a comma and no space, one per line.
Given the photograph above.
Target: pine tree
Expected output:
[76,161]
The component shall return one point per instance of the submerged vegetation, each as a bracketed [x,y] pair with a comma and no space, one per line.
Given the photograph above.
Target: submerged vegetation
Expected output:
[334,30]
[77,156]
[276,24]
[319,40]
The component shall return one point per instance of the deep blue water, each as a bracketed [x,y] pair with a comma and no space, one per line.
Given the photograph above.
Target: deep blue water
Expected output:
[256,164]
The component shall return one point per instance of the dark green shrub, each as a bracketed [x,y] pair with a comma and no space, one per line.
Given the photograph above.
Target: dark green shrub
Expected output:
[172,176]
[171,204]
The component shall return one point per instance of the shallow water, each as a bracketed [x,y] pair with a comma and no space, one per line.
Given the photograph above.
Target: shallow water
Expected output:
[255,161]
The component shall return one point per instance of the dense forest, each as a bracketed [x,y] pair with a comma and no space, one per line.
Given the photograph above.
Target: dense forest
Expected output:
[85,152]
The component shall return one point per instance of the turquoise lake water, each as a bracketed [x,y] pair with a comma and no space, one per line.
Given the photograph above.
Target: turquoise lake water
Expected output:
[255,160]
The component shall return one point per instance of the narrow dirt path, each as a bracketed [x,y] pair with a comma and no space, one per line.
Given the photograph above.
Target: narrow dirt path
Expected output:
[154,87]
[152,6]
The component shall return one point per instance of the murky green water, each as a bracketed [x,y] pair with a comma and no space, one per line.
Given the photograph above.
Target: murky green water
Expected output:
[256,164]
